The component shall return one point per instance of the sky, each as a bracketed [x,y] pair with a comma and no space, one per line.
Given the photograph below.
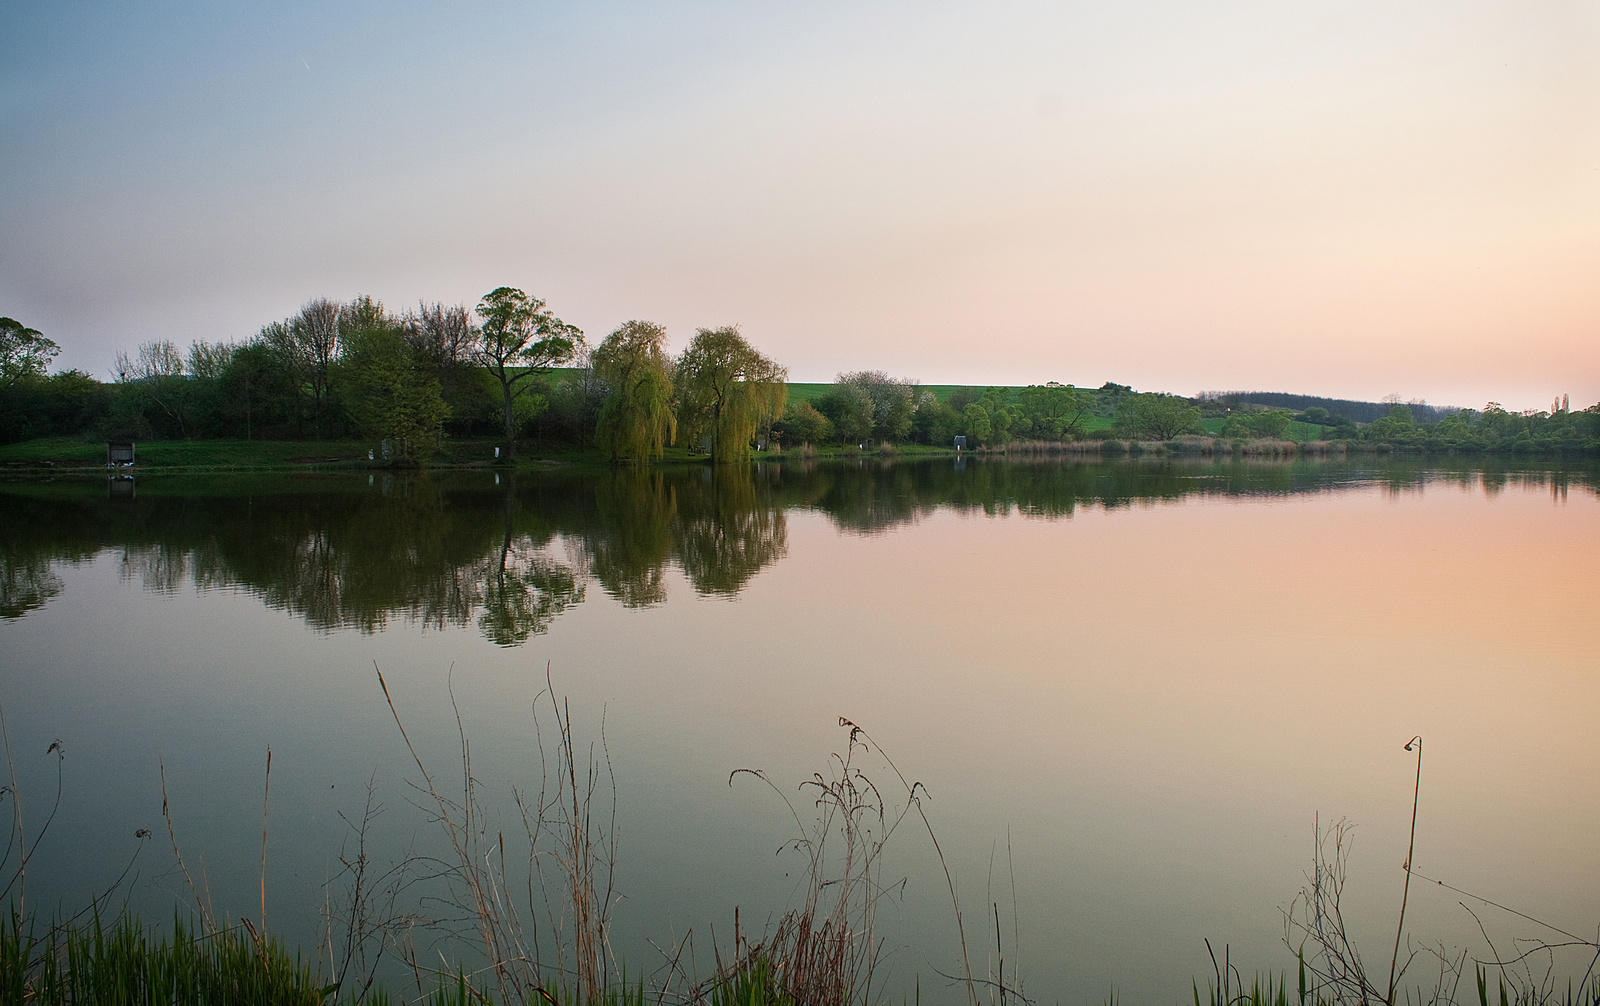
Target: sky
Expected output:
[1351,199]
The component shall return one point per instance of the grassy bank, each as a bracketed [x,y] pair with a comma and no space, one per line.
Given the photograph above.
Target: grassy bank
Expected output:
[76,453]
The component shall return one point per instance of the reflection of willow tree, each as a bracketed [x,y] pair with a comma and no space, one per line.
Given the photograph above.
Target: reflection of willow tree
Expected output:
[523,588]
[632,541]
[728,528]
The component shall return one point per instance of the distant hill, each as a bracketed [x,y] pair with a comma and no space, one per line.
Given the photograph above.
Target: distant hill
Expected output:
[1361,412]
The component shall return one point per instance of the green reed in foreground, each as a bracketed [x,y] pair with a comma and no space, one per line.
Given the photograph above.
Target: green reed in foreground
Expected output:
[1229,990]
[128,964]
[65,963]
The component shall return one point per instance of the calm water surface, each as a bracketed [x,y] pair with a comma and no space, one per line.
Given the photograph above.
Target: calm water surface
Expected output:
[1131,690]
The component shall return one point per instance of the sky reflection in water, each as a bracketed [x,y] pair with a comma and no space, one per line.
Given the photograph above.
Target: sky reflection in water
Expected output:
[1149,680]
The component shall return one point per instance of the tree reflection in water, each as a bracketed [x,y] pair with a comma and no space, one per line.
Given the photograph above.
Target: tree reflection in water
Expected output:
[509,557]
[345,553]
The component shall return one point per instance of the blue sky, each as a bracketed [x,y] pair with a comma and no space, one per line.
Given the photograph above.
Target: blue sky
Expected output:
[1348,199]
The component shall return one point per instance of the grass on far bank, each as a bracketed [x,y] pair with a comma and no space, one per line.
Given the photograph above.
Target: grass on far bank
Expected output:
[73,452]
[76,452]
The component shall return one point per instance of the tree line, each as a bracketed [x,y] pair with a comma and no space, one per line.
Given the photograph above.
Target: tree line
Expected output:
[336,370]
[510,368]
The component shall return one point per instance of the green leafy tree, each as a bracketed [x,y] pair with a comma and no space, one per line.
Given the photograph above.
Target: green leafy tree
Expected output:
[935,422]
[394,395]
[518,339]
[1001,419]
[803,424]
[1268,424]
[975,420]
[257,388]
[1453,427]
[1155,417]
[24,355]
[24,352]
[1400,423]
[725,391]
[1271,424]
[1054,411]
[848,408]
[873,404]
[636,421]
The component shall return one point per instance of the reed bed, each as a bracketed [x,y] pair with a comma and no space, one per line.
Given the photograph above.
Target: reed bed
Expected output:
[1073,447]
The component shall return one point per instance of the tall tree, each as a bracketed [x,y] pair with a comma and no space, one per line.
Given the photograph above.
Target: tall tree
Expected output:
[636,421]
[280,342]
[314,333]
[447,339]
[518,339]
[154,359]
[24,352]
[207,360]
[443,334]
[726,390]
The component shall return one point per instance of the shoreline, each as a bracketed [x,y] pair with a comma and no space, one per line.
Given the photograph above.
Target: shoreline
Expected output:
[72,455]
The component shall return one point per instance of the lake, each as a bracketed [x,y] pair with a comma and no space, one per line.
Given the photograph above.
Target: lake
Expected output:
[1132,692]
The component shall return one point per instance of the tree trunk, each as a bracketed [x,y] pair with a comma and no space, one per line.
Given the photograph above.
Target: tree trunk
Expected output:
[511,439]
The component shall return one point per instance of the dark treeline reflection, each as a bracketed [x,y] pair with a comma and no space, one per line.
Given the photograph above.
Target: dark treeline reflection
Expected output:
[509,556]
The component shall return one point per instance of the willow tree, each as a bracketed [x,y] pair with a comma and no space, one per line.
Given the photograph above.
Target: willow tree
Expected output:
[726,391]
[636,420]
[520,338]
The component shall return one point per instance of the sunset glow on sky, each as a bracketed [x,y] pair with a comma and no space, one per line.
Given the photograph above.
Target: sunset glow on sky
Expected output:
[1348,199]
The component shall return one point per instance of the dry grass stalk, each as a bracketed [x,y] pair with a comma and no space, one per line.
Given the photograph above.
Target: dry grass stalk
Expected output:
[560,829]
[827,951]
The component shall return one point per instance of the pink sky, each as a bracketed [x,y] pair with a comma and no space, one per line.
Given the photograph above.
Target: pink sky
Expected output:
[1348,199]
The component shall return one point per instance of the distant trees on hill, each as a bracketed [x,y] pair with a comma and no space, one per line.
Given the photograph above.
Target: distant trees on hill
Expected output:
[1357,412]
